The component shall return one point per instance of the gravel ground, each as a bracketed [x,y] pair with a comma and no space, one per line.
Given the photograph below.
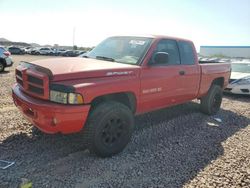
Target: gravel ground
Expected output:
[175,147]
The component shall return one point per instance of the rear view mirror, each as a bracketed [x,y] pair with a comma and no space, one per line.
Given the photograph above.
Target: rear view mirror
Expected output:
[160,58]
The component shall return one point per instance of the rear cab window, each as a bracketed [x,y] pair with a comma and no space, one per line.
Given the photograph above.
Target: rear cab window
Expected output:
[186,53]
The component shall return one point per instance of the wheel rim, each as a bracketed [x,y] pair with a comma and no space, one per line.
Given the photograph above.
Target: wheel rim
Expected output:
[216,102]
[113,132]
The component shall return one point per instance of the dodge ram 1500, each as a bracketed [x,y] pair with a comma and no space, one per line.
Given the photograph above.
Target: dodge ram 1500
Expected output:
[123,76]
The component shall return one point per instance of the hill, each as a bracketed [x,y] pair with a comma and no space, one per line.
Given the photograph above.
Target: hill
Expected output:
[4,40]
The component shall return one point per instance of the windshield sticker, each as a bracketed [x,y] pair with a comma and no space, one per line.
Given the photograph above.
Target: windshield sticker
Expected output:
[137,42]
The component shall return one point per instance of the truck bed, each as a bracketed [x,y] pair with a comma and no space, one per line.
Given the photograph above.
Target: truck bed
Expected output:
[211,71]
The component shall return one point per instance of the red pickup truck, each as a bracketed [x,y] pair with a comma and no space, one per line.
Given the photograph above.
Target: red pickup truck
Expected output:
[123,76]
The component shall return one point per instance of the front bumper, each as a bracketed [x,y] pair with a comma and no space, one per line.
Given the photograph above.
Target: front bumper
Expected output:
[50,117]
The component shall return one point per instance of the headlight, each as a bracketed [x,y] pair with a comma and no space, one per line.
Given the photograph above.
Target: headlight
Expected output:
[243,81]
[75,98]
[58,96]
[65,98]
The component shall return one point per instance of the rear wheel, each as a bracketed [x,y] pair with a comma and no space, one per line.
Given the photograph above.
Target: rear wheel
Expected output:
[109,129]
[210,104]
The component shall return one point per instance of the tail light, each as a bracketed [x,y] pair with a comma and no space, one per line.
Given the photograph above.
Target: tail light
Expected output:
[7,53]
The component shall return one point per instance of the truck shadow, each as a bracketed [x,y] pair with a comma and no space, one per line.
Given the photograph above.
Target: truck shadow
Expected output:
[169,146]
[243,98]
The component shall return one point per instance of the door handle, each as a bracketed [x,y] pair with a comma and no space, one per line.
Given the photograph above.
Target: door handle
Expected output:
[181,73]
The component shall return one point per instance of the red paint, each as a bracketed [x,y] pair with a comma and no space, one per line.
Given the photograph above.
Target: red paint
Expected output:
[41,113]
[154,87]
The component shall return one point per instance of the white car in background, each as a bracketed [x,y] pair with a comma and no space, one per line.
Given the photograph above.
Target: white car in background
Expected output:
[240,78]
[45,51]
[5,59]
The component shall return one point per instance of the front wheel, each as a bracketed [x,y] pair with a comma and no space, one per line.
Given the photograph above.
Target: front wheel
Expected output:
[210,104]
[109,128]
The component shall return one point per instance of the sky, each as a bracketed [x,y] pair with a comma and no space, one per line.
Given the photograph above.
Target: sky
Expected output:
[213,22]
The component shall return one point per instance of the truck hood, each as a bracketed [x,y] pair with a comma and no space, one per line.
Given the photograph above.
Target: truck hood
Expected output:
[77,68]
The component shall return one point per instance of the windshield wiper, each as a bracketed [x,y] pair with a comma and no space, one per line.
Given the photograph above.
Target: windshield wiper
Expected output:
[105,58]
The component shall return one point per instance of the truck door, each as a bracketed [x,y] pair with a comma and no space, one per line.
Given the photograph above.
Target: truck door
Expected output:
[190,79]
[160,82]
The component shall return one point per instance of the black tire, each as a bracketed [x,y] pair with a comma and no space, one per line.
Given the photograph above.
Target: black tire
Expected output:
[2,67]
[109,128]
[210,104]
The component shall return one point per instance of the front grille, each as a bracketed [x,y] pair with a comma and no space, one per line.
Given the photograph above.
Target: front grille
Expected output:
[19,73]
[35,80]
[37,90]
[19,81]
[19,77]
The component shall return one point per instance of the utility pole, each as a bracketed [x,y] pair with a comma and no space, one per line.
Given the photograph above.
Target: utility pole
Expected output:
[74,30]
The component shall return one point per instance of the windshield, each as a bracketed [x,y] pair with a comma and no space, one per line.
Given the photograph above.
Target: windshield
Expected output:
[241,67]
[128,50]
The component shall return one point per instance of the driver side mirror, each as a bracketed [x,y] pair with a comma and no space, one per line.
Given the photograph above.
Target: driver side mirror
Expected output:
[160,58]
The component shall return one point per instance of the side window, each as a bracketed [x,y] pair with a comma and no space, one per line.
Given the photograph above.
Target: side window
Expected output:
[170,47]
[186,52]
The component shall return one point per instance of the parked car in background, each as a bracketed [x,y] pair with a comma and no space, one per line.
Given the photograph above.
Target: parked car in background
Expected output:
[15,50]
[45,51]
[27,49]
[80,52]
[5,59]
[213,60]
[33,51]
[70,53]
[85,54]
[240,78]
[59,52]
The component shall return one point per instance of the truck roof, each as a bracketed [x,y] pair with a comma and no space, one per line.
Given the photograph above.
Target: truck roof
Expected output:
[154,37]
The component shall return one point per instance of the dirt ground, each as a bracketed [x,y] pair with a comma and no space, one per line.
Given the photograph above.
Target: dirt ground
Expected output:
[175,147]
